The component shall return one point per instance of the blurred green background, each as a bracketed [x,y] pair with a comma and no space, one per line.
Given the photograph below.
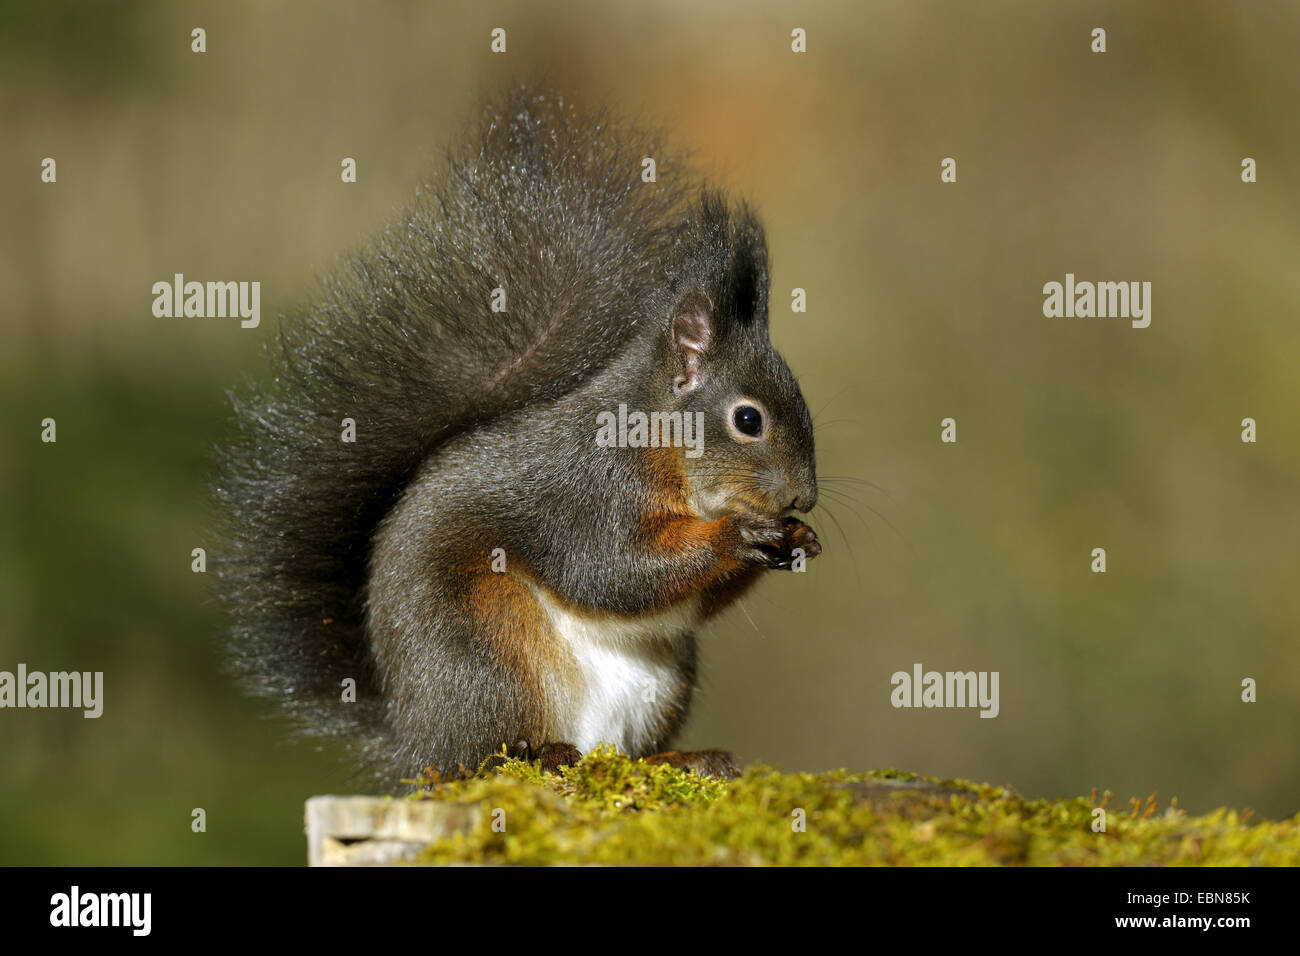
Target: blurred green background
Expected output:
[924,302]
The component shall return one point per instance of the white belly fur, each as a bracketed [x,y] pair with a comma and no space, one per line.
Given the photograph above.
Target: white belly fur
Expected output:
[628,671]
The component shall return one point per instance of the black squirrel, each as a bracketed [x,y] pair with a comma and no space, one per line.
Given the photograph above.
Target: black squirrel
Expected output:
[486,571]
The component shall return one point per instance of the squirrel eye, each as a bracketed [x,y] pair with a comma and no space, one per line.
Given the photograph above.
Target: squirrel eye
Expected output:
[748,420]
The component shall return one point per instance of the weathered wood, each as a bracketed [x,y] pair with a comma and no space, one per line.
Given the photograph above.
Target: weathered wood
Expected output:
[377,831]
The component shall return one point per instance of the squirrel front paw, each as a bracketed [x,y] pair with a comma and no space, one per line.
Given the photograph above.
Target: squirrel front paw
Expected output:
[771,541]
[799,536]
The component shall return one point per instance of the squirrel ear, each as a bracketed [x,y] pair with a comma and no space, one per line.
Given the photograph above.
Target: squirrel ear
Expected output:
[692,331]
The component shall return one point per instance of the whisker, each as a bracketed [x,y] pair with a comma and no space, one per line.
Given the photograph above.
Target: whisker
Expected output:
[744,610]
[826,404]
[845,503]
[853,480]
[840,528]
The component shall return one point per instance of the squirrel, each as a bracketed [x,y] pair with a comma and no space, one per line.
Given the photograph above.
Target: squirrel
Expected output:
[494,579]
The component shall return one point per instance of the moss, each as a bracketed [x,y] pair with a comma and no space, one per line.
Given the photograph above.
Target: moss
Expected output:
[611,809]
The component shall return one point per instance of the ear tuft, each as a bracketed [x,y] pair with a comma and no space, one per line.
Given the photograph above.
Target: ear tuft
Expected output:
[692,330]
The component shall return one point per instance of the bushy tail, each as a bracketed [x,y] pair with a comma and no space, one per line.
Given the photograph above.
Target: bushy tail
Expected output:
[544,202]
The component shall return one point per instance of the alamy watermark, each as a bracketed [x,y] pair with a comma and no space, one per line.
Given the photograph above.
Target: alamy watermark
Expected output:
[923,688]
[75,908]
[651,430]
[1102,300]
[208,300]
[55,689]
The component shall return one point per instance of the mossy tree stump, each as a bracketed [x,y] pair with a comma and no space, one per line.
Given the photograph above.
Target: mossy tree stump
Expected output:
[610,809]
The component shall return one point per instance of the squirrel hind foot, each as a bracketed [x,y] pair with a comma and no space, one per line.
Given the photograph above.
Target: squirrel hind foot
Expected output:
[553,755]
[706,763]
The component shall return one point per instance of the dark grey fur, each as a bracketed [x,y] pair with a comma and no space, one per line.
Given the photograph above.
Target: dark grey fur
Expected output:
[475,429]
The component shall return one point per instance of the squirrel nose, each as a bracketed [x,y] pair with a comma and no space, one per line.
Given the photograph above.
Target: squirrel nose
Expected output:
[801,489]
